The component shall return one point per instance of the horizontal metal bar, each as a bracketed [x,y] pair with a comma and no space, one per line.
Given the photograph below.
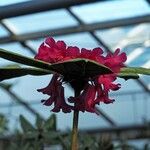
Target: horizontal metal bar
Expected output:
[36,102]
[77,29]
[121,133]
[31,7]
[100,42]
[117,129]
[10,29]
[116,133]
[19,100]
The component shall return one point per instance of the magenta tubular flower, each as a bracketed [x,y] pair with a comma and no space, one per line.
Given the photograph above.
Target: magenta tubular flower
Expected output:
[95,89]
[86,100]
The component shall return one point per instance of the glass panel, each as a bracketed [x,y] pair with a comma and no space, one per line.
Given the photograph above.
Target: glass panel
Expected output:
[113,36]
[8,2]
[43,21]
[81,40]
[3,32]
[127,38]
[142,58]
[129,107]
[110,10]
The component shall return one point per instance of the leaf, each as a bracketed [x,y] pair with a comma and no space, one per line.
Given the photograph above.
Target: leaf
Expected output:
[73,68]
[23,59]
[7,86]
[80,68]
[26,125]
[3,124]
[31,134]
[39,122]
[13,72]
[127,76]
[51,135]
[11,66]
[26,146]
[50,123]
[135,70]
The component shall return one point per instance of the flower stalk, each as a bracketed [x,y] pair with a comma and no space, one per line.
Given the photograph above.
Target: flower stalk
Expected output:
[74,140]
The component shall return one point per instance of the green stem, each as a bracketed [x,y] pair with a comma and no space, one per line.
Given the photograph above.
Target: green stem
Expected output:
[74,144]
[74,141]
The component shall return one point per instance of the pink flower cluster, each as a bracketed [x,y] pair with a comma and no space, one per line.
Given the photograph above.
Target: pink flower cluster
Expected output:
[95,90]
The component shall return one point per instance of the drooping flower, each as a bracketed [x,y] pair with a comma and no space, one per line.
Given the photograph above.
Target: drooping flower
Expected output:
[56,92]
[95,90]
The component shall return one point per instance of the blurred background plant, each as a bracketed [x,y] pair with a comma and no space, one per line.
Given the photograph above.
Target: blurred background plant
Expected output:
[43,135]
[3,124]
[124,24]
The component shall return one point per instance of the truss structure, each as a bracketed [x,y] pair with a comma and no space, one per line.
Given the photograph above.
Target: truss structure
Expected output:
[31,7]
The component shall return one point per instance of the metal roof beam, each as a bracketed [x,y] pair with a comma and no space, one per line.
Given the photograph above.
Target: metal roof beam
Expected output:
[102,113]
[31,7]
[123,132]
[9,28]
[117,133]
[106,117]
[18,100]
[148,1]
[100,42]
[77,29]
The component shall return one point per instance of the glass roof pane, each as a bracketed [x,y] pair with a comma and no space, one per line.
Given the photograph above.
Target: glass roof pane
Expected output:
[4,98]
[134,40]
[8,2]
[128,36]
[113,36]
[143,57]
[14,117]
[103,10]
[14,47]
[146,80]
[132,107]
[42,21]
[71,40]
[3,32]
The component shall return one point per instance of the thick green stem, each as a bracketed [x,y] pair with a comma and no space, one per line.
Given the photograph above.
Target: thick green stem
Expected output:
[74,144]
[74,141]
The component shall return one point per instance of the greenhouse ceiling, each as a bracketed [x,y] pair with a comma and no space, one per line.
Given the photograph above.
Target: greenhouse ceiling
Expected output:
[106,23]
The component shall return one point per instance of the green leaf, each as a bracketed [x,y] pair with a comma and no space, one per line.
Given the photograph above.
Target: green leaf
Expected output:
[11,66]
[3,124]
[127,76]
[13,72]
[72,68]
[23,59]
[135,70]
[50,123]
[26,146]
[31,134]
[77,68]
[7,86]
[51,135]
[26,125]
[39,122]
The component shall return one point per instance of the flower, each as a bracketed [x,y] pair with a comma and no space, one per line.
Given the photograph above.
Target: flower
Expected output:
[56,92]
[95,90]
